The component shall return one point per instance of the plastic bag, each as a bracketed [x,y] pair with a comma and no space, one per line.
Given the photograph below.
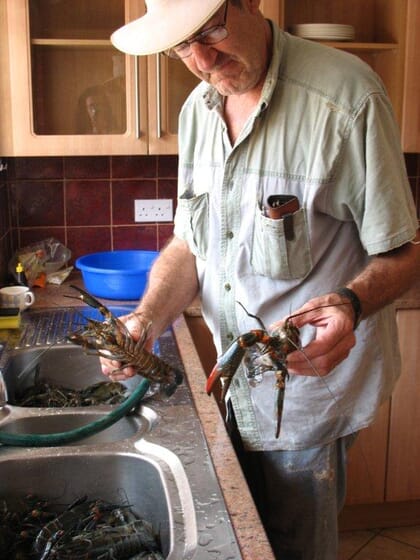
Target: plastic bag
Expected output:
[40,260]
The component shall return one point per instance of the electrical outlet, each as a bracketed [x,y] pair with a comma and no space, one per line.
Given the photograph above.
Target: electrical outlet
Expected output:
[153,210]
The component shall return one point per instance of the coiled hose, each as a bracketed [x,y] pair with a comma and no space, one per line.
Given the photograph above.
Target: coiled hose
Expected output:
[71,436]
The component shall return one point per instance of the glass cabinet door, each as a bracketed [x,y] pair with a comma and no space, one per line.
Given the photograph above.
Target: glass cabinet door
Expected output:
[72,92]
[170,83]
[78,77]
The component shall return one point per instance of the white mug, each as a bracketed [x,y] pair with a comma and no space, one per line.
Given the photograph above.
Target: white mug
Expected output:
[16,296]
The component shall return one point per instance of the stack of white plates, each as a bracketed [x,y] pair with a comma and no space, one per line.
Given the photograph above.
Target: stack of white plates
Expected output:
[324,31]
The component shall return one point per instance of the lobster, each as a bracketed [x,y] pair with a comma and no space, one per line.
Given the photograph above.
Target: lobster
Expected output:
[274,350]
[111,339]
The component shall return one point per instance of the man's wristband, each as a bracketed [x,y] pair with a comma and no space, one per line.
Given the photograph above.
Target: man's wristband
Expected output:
[355,303]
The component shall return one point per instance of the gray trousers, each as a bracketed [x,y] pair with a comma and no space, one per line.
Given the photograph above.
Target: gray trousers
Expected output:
[298,495]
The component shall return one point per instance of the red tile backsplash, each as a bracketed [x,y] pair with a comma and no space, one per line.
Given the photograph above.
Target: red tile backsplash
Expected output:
[87,203]
[87,167]
[134,167]
[124,193]
[37,203]
[139,237]
[88,239]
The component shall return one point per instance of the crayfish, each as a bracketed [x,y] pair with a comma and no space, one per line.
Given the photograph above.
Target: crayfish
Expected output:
[274,348]
[111,339]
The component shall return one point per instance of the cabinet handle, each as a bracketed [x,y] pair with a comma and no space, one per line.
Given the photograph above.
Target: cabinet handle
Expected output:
[158,98]
[136,97]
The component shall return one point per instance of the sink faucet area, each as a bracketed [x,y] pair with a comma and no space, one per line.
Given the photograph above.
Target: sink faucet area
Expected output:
[155,458]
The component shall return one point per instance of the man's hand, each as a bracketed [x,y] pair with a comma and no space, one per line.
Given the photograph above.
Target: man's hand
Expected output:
[333,318]
[135,326]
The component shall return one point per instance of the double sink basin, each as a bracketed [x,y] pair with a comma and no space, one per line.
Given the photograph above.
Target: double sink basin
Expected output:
[155,458]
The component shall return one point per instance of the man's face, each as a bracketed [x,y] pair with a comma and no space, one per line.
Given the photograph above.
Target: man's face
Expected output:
[238,63]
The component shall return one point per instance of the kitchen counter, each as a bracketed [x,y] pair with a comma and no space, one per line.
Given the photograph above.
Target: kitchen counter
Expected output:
[245,521]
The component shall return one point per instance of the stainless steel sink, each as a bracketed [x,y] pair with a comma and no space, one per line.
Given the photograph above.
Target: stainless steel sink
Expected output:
[156,458]
[67,366]
[145,482]
[61,365]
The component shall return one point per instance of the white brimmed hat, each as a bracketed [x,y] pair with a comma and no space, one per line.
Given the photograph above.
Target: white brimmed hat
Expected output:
[165,24]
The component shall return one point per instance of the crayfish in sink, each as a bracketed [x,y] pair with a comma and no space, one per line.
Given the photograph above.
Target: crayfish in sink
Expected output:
[111,339]
[273,351]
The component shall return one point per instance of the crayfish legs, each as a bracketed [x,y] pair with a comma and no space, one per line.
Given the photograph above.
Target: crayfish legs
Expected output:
[275,347]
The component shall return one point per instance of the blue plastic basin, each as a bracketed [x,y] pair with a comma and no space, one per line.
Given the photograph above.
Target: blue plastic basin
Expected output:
[118,275]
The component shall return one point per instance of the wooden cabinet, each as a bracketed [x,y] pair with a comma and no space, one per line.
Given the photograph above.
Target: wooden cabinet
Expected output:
[383,480]
[411,105]
[67,90]
[380,28]
[73,93]
[403,480]
[169,83]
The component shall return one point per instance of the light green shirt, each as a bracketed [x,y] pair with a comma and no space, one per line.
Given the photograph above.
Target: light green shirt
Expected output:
[323,131]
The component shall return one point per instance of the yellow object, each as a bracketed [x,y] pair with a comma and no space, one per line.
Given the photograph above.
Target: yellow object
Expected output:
[9,318]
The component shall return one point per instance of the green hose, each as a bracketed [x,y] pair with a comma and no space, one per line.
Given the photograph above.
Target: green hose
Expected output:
[62,438]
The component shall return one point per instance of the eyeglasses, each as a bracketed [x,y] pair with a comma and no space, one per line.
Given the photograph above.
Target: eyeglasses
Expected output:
[209,36]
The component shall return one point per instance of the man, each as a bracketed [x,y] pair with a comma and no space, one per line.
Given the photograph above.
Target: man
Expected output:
[277,115]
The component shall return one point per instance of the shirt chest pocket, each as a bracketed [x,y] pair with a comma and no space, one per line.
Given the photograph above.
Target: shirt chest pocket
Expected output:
[193,217]
[281,247]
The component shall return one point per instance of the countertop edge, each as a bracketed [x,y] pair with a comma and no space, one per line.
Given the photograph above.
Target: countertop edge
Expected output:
[245,520]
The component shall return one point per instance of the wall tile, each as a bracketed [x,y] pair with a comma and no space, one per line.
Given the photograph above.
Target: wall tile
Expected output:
[124,193]
[167,188]
[167,166]
[98,167]
[164,234]
[88,203]
[135,237]
[133,167]
[38,203]
[28,236]
[4,211]
[35,168]
[84,240]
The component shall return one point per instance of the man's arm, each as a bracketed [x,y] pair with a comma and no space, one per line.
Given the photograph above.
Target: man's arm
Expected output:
[384,279]
[172,286]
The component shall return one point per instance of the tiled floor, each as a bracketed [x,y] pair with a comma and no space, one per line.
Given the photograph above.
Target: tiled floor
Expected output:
[401,543]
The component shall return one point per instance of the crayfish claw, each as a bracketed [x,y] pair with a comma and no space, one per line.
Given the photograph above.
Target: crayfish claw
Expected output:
[169,388]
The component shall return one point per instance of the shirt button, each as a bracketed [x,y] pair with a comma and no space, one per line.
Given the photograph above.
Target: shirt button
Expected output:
[229,336]
[230,234]
[228,287]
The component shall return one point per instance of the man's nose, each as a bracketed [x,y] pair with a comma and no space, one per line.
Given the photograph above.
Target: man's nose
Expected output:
[204,55]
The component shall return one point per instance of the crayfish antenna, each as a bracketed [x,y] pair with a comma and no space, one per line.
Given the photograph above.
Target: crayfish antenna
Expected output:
[258,319]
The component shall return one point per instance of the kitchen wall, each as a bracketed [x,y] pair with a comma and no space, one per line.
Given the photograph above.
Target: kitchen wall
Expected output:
[88,202]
